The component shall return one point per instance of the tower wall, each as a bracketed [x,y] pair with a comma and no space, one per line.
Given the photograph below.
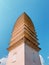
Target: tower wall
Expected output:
[16,56]
[23,55]
[31,56]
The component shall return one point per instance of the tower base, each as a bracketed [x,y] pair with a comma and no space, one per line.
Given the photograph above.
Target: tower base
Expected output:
[23,55]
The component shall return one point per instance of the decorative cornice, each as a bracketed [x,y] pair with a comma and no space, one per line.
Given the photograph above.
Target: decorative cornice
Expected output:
[24,41]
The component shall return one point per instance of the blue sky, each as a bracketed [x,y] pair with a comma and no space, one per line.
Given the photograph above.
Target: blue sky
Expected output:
[38,10]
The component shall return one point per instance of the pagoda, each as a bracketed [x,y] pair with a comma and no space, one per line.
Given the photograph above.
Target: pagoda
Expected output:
[24,47]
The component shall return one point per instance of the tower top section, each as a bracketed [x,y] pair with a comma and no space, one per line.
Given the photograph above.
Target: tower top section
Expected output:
[24,32]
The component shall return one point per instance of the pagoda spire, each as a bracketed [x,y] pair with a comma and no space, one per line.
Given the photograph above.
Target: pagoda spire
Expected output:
[24,31]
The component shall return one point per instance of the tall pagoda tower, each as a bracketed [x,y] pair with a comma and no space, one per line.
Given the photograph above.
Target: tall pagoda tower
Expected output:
[23,48]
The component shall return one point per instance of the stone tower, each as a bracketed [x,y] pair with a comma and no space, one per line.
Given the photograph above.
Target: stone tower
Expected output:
[23,48]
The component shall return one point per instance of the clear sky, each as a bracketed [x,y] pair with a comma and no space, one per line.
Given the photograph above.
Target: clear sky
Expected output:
[38,10]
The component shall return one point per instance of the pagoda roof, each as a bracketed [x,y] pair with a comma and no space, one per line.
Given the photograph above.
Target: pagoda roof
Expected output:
[24,31]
